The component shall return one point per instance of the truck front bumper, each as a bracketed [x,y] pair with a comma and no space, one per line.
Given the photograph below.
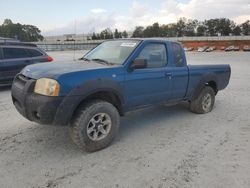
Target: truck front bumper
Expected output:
[34,107]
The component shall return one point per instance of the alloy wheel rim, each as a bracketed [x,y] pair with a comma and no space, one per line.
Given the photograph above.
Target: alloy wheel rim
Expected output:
[206,102]
[99,126]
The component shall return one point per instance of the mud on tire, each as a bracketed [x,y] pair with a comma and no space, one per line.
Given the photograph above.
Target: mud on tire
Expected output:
[94,125]
[204,102]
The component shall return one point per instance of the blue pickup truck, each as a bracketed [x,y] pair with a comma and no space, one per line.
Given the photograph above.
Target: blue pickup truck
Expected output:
[90,94]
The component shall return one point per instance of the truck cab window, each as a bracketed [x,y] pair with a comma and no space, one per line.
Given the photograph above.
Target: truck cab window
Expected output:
[178,55]
[155,54]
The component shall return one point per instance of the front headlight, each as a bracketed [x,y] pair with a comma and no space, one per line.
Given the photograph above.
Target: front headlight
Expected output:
[48,87]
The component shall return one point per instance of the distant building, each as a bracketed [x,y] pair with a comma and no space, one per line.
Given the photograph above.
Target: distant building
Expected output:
[67,37]
[72,37]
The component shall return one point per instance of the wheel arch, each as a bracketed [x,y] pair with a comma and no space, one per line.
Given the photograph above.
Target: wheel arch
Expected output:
[107,90]
[108,95]
[213,85]
[207,80]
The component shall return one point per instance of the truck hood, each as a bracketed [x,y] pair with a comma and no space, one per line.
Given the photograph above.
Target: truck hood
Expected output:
[55,69]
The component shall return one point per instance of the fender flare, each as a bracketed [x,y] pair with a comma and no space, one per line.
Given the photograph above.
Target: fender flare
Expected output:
[78,94]
[205,79]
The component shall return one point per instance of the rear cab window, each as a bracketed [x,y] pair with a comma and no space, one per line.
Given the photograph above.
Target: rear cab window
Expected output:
[14,53]
[178,55]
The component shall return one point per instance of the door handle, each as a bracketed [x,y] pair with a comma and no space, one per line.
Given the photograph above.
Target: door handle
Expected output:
[168,74]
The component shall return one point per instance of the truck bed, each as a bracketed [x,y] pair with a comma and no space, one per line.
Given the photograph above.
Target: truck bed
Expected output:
[220,74]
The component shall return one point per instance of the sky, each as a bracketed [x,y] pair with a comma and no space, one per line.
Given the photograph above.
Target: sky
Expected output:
[57,17]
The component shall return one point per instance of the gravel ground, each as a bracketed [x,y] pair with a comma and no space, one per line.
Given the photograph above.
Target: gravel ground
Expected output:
[156,147]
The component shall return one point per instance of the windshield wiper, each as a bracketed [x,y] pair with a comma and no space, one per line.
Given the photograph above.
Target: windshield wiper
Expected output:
[84,59]
[102,61]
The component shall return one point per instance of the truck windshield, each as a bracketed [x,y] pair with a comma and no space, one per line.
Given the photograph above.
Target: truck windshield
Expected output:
[114,52]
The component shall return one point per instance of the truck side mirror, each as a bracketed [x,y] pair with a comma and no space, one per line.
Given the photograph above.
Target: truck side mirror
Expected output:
[139,64]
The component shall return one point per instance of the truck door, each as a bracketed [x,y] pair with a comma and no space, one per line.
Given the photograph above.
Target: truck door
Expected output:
[14,60]
[179,71]
[150,84]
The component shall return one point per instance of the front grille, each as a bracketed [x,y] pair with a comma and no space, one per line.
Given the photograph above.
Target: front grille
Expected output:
[21,80]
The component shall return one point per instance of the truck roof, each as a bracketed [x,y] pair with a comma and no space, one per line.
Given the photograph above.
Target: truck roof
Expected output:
[149,39]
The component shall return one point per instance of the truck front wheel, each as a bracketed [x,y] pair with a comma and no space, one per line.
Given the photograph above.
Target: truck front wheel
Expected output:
[204,102]
[95,125]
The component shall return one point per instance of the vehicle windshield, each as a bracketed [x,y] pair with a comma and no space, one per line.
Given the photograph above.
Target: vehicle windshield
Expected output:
[113,52]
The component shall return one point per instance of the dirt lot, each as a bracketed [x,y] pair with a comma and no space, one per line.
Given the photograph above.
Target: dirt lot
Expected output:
[157,147]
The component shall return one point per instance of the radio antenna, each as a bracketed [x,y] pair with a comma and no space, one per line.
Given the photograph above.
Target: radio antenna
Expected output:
[75,42]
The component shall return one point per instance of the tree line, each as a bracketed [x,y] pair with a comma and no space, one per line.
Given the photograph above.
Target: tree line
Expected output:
[28,33]
[108,34]
[189,27]
[183,27]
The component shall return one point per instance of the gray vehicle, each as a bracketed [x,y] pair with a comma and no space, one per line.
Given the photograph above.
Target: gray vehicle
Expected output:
[202,49]
[246,48]
[14,56]
[210,49]
[229,48]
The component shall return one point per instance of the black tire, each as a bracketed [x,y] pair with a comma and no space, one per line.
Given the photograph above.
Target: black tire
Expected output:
[199,105]
[82,122]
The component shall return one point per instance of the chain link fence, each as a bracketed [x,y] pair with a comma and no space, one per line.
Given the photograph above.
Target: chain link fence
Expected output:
[89,44]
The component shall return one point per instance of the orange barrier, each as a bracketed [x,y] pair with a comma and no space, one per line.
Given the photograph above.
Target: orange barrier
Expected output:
[219,44]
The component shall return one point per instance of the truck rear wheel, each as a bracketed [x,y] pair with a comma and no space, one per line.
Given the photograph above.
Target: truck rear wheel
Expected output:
[204,103]
[95,125]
